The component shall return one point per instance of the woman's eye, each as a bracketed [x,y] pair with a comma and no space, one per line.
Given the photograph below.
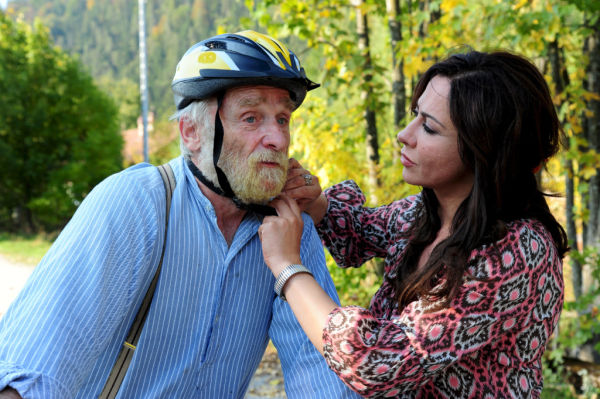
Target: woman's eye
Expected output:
[250,119]
[282,121]
[428,129]
[414,112]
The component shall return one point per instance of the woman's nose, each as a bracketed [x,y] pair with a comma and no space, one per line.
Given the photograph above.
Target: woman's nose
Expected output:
[408,135]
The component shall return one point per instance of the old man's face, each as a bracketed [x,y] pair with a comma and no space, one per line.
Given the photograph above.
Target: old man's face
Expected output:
[256,140]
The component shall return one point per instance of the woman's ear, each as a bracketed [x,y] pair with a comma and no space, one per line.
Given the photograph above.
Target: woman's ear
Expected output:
[189,134]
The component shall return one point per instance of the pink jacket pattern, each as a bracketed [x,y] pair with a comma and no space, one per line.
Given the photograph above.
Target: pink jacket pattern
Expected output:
[487,344]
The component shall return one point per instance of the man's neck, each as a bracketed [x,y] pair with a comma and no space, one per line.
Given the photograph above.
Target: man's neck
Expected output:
[228,215]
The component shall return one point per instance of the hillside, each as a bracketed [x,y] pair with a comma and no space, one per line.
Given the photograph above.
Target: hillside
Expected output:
[104,34]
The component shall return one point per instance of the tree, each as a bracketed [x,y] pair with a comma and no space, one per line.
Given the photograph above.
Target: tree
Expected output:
[105,35]
[592,120]
[398,84]
[368,95]
[58,132]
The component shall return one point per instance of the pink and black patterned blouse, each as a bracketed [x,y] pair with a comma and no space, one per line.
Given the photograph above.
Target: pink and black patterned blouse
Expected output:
[487,344]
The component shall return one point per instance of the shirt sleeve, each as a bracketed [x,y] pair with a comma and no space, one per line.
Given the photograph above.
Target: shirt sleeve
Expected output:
[517,297]
[353,233]
[75,302]
[306,374]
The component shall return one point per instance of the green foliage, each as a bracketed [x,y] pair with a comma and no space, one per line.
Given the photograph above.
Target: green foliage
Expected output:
[126,93]
[58,132]
[579,324]
[105,36]
[355,286]
[582,316]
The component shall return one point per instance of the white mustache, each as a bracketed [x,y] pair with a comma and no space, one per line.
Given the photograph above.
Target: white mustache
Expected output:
[269,156]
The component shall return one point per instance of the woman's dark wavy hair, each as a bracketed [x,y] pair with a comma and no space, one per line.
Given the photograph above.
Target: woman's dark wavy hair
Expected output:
[507,125]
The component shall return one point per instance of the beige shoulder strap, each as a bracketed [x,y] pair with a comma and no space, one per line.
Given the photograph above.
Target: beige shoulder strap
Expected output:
[117,374]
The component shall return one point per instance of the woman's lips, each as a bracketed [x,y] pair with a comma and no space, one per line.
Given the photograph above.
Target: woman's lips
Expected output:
[406,161]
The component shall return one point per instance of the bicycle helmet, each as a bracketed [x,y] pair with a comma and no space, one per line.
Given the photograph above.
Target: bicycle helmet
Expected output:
[238,59]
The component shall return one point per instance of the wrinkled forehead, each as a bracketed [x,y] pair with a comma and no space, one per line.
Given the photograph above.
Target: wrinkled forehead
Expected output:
[248,96]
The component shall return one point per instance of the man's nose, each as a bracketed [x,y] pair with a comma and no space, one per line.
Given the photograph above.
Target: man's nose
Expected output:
[276,136]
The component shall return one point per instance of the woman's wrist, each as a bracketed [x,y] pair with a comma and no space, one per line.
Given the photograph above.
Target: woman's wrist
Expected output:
[286,275]
[279,266]
[318,208]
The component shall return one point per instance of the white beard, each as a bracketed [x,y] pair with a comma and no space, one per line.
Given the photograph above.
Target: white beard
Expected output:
[250,183]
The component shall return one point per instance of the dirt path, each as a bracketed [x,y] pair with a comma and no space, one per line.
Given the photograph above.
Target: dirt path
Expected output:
[266,383]
[12,279]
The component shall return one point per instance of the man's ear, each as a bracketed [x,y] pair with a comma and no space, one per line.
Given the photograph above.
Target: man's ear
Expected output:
[189,135]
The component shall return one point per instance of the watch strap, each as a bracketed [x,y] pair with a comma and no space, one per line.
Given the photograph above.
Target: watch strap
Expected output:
[285,275]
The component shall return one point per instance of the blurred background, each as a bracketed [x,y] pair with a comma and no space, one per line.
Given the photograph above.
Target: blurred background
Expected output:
[70,113]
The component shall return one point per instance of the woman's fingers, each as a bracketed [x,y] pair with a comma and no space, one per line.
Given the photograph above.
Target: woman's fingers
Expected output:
[293,164]
[298,178]
[286,207]
[303,186]
[281,235]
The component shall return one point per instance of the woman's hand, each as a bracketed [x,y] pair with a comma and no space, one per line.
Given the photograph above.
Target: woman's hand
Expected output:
[304,187]
[281,235]
[301,185]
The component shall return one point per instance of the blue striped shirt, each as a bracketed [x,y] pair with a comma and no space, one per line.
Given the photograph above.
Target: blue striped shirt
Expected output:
[213,312]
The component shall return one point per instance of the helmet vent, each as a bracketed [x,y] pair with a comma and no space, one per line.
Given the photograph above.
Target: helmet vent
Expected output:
[216,45]
[239,39]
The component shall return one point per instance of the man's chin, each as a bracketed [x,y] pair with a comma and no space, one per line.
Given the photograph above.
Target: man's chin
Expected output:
[253,199]
[261,195]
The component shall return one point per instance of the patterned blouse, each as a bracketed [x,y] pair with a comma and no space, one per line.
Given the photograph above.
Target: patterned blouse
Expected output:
[487,344]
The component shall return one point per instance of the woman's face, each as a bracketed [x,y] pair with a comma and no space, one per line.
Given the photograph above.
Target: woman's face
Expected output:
[430,152]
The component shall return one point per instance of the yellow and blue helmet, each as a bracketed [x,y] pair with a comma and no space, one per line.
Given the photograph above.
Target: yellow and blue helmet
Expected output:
[238,59]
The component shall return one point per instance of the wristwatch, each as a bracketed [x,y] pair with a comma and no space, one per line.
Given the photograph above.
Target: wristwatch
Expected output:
[285,275]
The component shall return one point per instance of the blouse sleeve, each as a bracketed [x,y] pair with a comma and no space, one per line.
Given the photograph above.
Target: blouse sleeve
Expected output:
[516,297]
[353,233]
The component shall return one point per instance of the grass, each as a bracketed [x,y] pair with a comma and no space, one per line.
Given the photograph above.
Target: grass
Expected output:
[24,249]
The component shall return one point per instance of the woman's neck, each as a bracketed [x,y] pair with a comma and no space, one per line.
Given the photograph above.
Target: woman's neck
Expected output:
[448,203]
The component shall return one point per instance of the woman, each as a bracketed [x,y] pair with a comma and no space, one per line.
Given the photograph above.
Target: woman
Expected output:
[473,274]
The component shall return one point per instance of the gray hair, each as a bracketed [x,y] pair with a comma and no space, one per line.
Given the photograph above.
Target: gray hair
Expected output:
[197,113]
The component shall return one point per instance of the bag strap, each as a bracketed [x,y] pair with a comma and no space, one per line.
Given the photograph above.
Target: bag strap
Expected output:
[117,374]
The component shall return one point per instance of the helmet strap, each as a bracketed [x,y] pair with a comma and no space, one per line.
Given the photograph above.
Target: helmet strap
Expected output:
[196,172]
[217,146]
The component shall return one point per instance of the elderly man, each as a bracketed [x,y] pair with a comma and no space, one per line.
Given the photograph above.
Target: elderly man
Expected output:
[214,308]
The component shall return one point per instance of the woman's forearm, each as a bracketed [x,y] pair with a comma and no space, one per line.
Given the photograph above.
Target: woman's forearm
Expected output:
[311,306]
[318,208]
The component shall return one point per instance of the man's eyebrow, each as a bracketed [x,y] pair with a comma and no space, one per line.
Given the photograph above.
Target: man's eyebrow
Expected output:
[250,101]
[288,103]
[254,101]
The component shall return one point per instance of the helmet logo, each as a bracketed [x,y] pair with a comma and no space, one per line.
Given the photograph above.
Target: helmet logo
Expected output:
[207,57]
